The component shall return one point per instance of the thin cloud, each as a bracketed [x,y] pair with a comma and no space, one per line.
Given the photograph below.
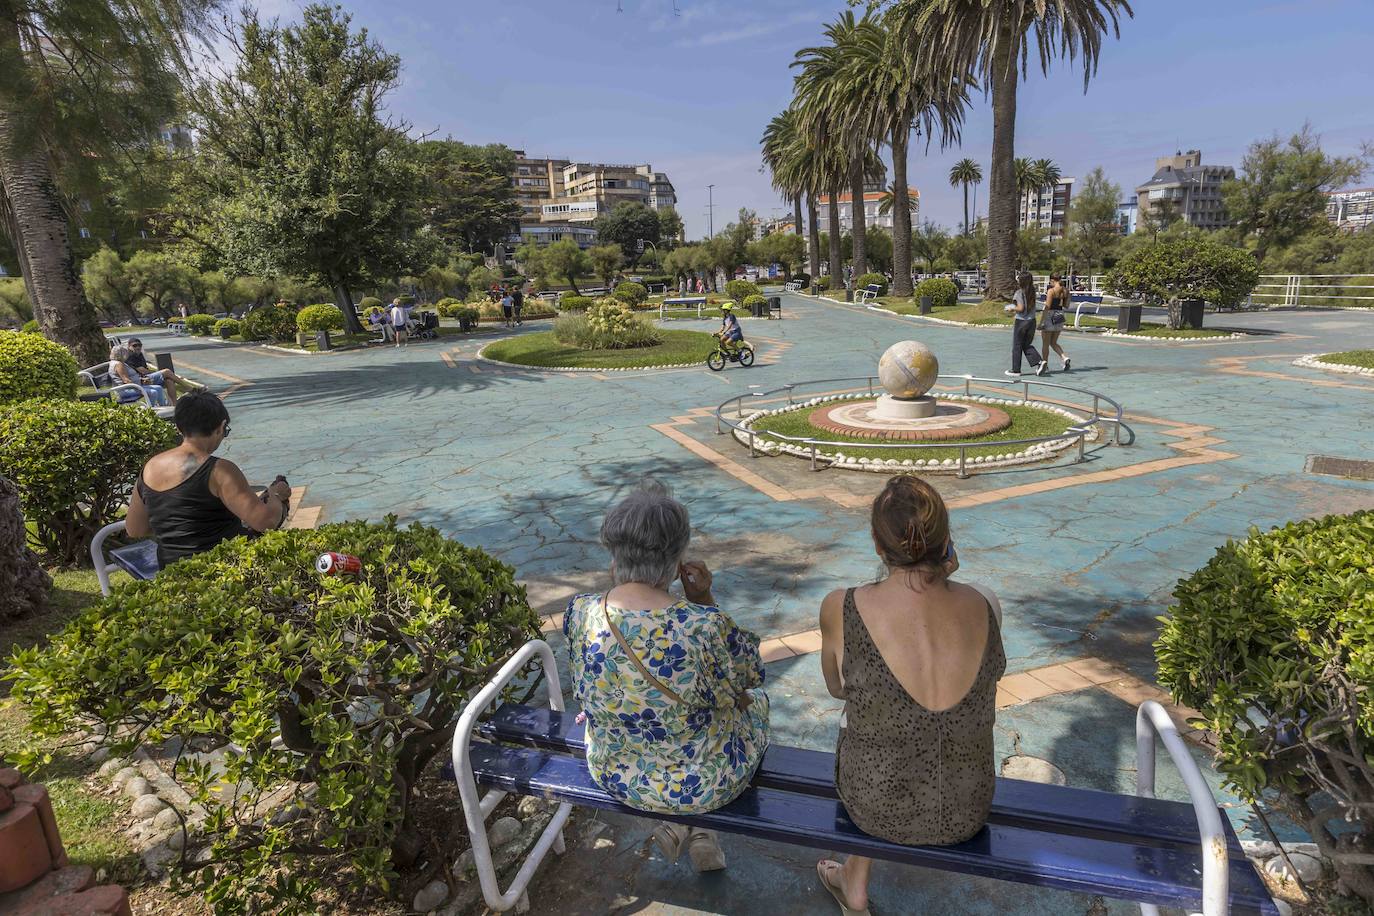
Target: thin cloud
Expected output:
[760,29]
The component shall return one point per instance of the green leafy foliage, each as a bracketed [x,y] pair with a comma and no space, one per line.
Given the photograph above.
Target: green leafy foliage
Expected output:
[755,299]
[367,303]
[608,324]
[631,293]
[872,280]
[447,307]
[739,290]
[1191,267]
[271,322]
[75,464]
[361,676]
[31,327]
[227,327]
[1273,643]
[941,290]
[322,317]
[821,283]
[200,325]
[31,366]
[574,303]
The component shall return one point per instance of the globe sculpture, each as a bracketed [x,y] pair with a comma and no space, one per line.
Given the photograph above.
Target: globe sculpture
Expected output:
[907,371]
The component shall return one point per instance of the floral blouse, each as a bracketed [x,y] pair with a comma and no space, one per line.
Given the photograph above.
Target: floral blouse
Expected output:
[646,748]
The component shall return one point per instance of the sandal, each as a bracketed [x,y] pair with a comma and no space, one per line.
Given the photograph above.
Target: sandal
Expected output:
[669,840]
[823,868]
[704,848]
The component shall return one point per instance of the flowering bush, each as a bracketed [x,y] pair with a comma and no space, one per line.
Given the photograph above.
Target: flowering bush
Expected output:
[608,324]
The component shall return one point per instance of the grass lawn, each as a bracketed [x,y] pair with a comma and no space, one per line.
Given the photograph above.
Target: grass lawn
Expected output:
[969,312]
[1361,358]
[543,349]
[1160,331]
[1026,423]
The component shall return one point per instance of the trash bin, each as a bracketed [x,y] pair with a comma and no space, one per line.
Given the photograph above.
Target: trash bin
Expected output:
[775,306]
[322,341]
[759,309]
[1192,313]
[1128,318]
[926,303]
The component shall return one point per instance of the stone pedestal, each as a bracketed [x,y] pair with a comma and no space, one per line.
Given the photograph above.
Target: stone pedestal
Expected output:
[890,408]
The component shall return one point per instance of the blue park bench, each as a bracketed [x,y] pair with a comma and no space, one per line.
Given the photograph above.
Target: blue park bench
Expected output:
[1131,847]
[1082,299]
[138,559]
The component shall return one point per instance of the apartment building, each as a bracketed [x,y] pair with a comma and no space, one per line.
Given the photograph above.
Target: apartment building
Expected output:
[1351,210]
[1192,190]
[560,198]
[1128,216]
[872,199]
[1047,208]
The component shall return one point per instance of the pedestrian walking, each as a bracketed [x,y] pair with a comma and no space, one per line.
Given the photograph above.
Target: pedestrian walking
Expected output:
[508,308]
[398,322]
[1023,327]
[1052,322]
[517,299]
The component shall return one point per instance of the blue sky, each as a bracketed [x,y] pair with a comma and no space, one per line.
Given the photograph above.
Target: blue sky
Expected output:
[691,93]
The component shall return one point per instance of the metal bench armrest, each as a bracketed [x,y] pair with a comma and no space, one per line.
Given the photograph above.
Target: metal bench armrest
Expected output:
[1150,719]
[102,569]
[476,810]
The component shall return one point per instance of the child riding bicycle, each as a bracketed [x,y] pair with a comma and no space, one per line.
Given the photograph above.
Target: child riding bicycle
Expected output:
[730,333]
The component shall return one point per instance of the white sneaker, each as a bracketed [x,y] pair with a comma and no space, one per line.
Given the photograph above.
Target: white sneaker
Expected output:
[1042,368]
[1066,363]
[1011,374]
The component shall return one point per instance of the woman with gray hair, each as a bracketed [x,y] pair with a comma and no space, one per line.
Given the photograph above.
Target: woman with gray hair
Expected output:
[121,373]
[671,688]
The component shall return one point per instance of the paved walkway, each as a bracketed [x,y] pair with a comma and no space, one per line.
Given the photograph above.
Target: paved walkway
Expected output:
[524,462]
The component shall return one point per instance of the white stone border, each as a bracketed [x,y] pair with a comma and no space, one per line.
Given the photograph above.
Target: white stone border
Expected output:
[1314,361]
[1040,451]
[501,362]
[1176,341]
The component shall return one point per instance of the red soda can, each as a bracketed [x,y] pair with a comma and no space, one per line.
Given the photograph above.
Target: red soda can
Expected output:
[338,564]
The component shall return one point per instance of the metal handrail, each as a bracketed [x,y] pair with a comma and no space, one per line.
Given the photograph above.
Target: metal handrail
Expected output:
[1080,431]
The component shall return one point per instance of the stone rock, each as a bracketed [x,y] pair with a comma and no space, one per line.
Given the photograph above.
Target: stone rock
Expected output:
[123,776]
[176,840]
[111,767]
[100,755]
[430,897]
[157,859]
[1024,766]
[166,819]
[147,806]
[529,805]
[503,831]
[1284,907]
[24,585]
[1309,868]
[603,842]
[1259,849]
[138,786]
[464,866]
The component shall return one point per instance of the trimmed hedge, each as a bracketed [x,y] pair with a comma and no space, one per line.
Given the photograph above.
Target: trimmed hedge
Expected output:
[448,307]
[739,290]
[369,302]
[631,293]
[872,279]
[200,325]
[75,463]
[941,290]
[31,366]
[362,676]
[322,317]
[31,327]
[271,322]
[574,303]
[821,283]
[1272,642]
[227,327]
[755,299]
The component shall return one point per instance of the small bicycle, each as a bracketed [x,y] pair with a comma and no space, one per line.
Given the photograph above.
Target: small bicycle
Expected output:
[742,354]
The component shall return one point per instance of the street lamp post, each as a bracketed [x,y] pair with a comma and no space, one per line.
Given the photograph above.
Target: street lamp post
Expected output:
[710,210]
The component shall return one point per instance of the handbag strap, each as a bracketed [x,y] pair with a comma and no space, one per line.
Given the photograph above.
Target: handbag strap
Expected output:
[625,647]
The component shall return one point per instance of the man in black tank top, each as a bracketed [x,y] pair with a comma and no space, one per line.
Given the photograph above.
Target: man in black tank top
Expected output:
[188,500]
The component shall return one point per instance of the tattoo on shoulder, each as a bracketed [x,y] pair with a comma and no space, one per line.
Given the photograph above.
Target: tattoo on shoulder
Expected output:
[189,465]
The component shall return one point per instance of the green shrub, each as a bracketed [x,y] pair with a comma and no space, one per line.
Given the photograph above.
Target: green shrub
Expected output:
[803,277]
[367,303]
[1272,643]
[227,327]
[822,283]
[574,303]
[31,327]
[608,324]
[406,300]
[941,290]
[1194,267]
[447,307]
[872,279]
[75,464]
[271,322]
[200,325]
[467,312]
[756,299]
[739,290]
[322,317]
[31,366]
[631,293]
[362,676]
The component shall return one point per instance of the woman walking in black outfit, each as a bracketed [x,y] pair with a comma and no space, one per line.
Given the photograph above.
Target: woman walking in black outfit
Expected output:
[1023,327]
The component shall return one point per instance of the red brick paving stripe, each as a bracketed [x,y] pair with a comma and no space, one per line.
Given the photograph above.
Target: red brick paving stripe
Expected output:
[997,421]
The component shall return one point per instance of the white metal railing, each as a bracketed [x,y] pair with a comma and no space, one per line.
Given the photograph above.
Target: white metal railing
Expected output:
[477,809]
[1150,719]
[1314,290]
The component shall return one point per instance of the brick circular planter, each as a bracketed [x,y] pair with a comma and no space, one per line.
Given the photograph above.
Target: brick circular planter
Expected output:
[995,421]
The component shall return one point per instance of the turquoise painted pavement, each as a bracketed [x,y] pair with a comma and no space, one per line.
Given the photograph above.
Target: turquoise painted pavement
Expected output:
[523,463]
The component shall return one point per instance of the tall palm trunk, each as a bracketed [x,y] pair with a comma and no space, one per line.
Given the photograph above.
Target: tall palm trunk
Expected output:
[859,223]
[813,228]
[901,214]
[797,214]
[836,257]
[32,215]
[968,230]
[1002,180]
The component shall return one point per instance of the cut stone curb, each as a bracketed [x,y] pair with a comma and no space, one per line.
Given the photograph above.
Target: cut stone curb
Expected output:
[1314,361]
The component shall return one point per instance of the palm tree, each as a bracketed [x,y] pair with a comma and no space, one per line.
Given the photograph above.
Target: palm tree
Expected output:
[993,41]
[780,142]
[966,172]
[1047,174]
[889,198]
[796,168]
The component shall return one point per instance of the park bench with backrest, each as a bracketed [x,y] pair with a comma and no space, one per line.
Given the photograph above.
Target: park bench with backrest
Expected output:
[870,292]
[1085,299]
[99,378]
[793,286]
[1130,847]
[138,559]
[682,303]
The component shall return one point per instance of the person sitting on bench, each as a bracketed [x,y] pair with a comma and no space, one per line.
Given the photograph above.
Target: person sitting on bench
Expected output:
[916,657]
[165,378]
[188,500]
[122,373]
[677,720]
